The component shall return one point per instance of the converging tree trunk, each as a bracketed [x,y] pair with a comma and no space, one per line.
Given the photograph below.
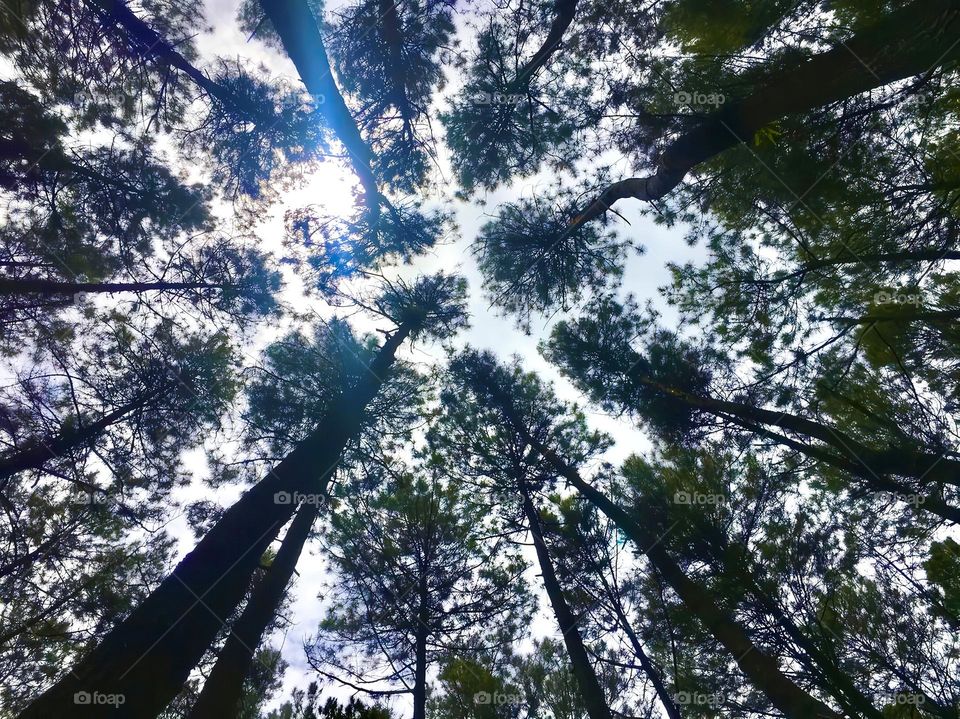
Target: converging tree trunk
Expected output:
[392,36]
[421,633]
[148,656]
[875,480]
[590,690]
[831,677]
[298,31]
[223,689]
[564,12]
[760,668]
[150,44]
[651,671]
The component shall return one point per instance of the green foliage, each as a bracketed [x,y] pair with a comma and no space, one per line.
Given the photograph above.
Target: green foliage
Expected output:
[469,690]
[595,352]
[535,258]
[412,565]
[943,570]
[499,126]
[800,392]
[393,71]
[708,27]
[305,705]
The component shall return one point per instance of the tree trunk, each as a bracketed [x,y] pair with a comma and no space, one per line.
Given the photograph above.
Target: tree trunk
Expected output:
[294,22]
[761,669]
[151,45]
[882,258]
[653,674]
[590,691]
[929,502]
[392,36]
[832,678]
[900,460]
[564,11]
[912,40]
[894,315]
[39,452]
[420,666]
[298,31]
[147,657]
[56,288]
[224,687]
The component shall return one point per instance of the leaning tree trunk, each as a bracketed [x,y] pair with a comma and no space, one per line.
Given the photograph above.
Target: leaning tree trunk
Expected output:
[653,674]
[57,288]
[152,46]
[874,480]
[298,31]
[148,656]
[38,452]
[760,668]
[590,691]
[224,687]
[391,34]
[912,40]
[831,677]
[896,459]
[564,12]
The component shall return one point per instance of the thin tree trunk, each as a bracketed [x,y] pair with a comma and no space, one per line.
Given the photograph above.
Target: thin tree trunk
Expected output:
[147,657]
[150,44]
[298,31]
[760,668]
[224,687]
[564,11]
[832,678]
[912,40]
[929,502]
[28,559]
[420,656]
[653,674]
[294,22]
[392,36]
[895,316]
[883,258]
[37,286]
[12,633]
[39,452]
[904,461]
[590,691]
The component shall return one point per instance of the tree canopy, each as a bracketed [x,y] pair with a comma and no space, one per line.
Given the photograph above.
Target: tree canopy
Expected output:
[564,359]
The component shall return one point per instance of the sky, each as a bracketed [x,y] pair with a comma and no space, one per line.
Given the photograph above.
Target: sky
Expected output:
[331,186]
